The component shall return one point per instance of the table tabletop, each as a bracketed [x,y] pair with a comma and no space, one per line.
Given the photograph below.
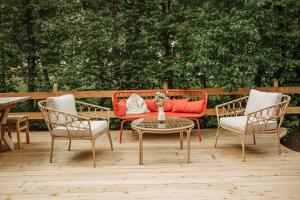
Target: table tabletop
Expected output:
[171,123]
[6,101]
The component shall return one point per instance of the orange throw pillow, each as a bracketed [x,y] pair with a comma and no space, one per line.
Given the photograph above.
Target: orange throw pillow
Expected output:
[121,108]
[151,105]
[168,106]
[179,105]
[188,107]
[194,106]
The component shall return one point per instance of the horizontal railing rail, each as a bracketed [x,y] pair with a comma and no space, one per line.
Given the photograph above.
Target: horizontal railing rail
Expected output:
[108,94]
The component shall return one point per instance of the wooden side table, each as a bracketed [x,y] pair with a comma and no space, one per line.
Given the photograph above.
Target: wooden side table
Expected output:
[170,125]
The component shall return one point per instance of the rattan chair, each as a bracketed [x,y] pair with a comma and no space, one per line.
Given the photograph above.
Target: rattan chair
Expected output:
[64,123]
[261,117]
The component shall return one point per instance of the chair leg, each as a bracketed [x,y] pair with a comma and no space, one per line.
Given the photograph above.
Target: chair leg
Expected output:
[94,152]
[70,141]
[52,145]
[242,136]
[198,127]
[278,142]
[217,135]
[9,133]
[121,130]
[254,140]
[18,134]
[110,140]
[27,132]
[2,136]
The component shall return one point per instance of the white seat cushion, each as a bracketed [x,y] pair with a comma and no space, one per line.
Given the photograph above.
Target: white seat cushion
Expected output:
[65,103]
[259,100]
[96,127]
[239,123]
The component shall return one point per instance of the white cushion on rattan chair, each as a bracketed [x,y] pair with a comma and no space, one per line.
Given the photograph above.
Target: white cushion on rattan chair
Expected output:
[65,103]
[239,123]
[74,130]
[260,100]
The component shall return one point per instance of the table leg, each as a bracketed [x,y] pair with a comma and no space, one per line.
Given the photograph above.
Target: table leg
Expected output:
[141,147]
[4,136]
[188,145]
[181,140]
[1,137]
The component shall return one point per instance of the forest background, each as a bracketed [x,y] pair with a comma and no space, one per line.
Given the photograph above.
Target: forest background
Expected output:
[140,44]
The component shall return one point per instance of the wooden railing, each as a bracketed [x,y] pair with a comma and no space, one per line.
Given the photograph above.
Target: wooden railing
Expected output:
[108,94]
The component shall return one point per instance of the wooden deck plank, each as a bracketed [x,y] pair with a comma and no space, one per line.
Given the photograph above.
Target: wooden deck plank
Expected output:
[213,173]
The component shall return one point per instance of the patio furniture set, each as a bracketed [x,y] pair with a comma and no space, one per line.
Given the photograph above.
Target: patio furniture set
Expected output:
[68,119]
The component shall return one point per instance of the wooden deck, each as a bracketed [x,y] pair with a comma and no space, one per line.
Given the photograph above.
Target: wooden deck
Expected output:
[212,174]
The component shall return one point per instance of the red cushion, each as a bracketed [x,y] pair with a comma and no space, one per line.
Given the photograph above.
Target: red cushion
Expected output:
[154,114]
[151,105]
[179,105]
[168,107]
[121,108]
[194,106]
[137,116]
[188,107]
[183,115]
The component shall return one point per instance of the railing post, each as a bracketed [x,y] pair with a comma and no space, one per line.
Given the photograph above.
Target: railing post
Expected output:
[275,83]
[55,88]
[165,85]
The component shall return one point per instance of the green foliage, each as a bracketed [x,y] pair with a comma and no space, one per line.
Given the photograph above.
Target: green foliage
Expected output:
[114,44]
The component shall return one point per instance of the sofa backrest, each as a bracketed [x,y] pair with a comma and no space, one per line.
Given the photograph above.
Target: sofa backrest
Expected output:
[192,95]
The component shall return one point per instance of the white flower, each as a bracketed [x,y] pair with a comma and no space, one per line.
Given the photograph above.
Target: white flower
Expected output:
[160,99]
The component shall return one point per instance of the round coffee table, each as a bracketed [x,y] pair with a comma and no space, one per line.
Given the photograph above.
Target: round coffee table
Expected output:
[170,125]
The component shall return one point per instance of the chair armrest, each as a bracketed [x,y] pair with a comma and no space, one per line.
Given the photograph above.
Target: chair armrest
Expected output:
[231,108]
[93,111]
[57,118]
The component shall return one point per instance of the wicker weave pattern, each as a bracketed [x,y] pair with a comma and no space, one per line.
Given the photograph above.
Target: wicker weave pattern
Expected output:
[232,108]
[75,123]
[78,127]
[256,121]
[169,123]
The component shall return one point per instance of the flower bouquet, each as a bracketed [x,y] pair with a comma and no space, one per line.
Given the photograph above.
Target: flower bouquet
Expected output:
[160,99]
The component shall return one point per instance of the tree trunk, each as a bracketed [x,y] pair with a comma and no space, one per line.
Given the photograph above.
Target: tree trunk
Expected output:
[46,76]
[31,49]
[258,77]
[114,35]
[166,43]
[3,82]
[203,81]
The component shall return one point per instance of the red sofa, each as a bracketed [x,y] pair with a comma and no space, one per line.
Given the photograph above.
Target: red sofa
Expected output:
[189,104]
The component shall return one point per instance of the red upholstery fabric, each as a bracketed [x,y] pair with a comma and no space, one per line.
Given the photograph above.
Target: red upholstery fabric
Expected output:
[144,115]
[169,105]
[191,111]
[151,105]
[179,106]
[183,115]
[174,95]
[121,108]
[168,114]
[188,107]
[194,106]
